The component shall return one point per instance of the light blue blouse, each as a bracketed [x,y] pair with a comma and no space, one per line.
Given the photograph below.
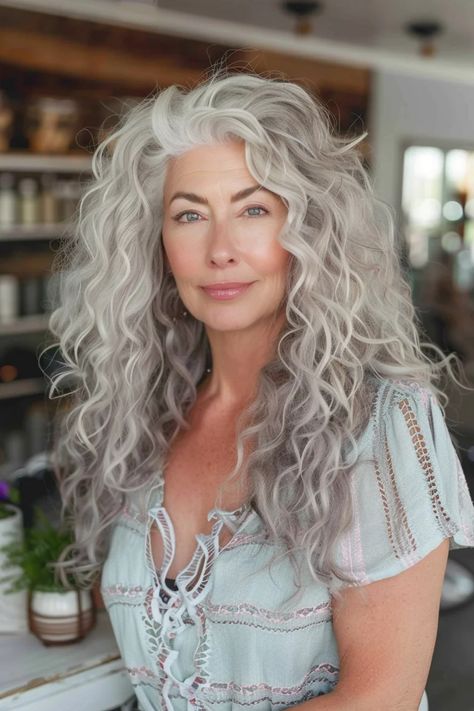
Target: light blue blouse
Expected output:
[232,641]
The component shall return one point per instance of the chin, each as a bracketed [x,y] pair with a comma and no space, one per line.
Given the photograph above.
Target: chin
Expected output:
[225,322]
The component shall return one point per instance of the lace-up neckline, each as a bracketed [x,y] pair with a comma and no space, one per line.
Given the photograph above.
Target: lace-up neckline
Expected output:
[207,545]
[176,607]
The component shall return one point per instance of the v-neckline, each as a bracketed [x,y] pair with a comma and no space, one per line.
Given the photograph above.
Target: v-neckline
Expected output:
[207,544]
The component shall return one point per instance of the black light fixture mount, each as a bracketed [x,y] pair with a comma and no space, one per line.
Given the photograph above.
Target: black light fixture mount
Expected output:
[425,30]
[302,10]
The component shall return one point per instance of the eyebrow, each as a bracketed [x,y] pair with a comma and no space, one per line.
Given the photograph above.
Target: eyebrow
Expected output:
[192,197]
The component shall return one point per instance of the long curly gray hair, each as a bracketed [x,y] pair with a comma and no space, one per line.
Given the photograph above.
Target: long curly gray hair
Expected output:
[349,315]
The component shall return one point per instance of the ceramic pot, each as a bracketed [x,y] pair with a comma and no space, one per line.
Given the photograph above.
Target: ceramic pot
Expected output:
[13,606]
[61,617]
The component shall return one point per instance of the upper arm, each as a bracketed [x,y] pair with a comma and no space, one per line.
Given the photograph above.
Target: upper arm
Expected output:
[386,632]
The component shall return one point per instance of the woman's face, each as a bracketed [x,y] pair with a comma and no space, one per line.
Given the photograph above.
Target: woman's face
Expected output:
[213,235]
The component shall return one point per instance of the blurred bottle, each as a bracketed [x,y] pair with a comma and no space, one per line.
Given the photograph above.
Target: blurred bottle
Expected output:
[9,298]
[49,208]
[31,296]
[29,201]
[8,200]
[69,199]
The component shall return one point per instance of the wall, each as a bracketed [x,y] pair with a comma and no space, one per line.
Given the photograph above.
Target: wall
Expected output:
[403,108]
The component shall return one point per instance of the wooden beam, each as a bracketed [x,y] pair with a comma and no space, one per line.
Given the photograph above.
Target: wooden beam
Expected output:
[41,52]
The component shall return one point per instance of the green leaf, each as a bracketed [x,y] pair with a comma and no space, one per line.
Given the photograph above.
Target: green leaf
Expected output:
[42,545]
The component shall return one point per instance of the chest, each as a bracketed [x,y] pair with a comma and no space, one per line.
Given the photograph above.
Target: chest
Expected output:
[197,464]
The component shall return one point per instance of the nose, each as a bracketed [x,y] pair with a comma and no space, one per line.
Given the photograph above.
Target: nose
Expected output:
[221,246]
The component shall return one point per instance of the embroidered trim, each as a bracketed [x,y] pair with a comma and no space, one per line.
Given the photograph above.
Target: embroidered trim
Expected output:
[277,620]
[123,594]
[249,694]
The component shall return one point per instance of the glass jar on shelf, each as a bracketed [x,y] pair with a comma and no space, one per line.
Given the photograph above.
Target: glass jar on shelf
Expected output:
[51,124]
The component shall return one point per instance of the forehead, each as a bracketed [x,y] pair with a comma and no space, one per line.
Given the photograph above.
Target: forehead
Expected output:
[206,160]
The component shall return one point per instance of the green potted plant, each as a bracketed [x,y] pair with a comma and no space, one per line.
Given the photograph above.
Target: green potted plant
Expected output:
[56,614]
[13,607]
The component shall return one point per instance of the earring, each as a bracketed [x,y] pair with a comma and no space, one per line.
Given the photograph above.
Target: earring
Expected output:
[184,313]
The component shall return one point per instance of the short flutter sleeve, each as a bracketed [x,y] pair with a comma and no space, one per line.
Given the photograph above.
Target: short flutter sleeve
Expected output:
[409,491]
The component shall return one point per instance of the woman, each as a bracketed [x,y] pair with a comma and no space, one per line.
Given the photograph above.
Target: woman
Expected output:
[234,314]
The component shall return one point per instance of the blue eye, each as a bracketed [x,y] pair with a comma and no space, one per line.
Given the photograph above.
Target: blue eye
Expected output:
[186,212]
[257,207]
[177,218]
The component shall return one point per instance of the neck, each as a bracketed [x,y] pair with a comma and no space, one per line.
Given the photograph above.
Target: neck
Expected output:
[237,360]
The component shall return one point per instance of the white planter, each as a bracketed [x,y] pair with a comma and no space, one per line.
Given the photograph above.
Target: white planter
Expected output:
[13,606]
[55,618]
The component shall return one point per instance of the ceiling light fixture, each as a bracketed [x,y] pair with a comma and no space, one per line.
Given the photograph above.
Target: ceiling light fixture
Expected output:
[302,9]
[425,31]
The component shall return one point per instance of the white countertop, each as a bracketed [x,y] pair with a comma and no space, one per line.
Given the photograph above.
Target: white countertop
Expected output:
[87,674]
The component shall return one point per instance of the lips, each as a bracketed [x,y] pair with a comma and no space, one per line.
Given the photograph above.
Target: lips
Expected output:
[227,290]
[227,285]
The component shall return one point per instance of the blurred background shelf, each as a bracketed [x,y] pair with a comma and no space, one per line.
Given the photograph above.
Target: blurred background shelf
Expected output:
[25,324]
[33,232]
[28,162]
[19,388]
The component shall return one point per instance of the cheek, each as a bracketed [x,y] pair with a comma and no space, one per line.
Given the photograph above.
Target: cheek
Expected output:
[275,260]
[182,261]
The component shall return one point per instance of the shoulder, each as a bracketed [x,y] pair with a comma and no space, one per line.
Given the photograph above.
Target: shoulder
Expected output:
[394,393]
[408,489]
[393,404]
[408,410]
